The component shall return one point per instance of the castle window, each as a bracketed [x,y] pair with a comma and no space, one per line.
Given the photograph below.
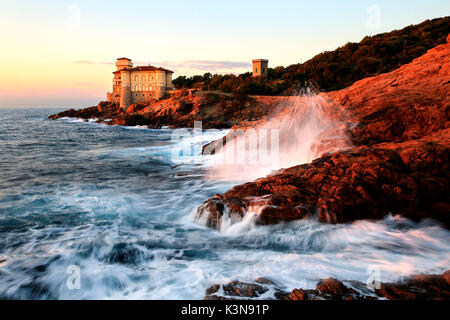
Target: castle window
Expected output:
[150,88]
[136,78]
[149,78]
[143,78]
[256,70]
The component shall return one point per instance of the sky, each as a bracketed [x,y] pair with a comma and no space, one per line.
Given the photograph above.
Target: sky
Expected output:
[62,53]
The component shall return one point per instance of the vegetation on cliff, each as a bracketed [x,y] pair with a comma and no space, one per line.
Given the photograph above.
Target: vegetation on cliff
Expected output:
[334,70]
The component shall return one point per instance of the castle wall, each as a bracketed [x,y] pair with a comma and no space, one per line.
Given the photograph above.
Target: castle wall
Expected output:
[160,84]
[169,81]
[144,86]
[117,85]
[138,86]
[147,85]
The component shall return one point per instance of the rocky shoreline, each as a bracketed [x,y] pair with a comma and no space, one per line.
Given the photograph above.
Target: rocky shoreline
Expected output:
[399,162]
[180,110]
[416,287]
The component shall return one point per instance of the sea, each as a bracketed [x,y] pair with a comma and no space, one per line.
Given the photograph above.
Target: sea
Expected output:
[90,211]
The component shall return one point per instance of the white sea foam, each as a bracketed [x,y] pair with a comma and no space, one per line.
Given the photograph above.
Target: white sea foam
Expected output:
[125,222]
[293,255]
[299,130]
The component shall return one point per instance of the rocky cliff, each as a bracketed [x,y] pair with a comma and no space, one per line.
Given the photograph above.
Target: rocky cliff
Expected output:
[399,162]
[215,110]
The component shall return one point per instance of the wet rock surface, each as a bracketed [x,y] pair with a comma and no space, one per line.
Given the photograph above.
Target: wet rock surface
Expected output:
[104,110]
[237,289]
[411,179]
[416,287]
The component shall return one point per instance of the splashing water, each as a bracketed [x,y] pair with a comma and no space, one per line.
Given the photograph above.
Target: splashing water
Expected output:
[109,201]
[300,129]
[248,222]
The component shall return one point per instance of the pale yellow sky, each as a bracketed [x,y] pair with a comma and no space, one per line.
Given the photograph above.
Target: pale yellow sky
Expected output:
[61,53]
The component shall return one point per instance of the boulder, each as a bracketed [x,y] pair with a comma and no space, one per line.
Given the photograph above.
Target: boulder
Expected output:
[416,287]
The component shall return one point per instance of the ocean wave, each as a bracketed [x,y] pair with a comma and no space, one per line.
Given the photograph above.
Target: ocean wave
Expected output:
[96,198]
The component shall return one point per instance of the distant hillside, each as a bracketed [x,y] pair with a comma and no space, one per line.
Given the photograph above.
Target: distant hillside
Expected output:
[334,70]
[382,53]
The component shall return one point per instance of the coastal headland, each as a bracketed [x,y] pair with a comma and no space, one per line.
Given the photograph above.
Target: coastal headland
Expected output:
[397,161]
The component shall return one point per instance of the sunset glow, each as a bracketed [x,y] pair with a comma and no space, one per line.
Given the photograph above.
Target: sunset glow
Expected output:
[61,53]
[224,159]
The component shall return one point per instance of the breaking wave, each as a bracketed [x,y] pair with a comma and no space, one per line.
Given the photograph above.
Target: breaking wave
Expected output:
[299,130]
[109,201]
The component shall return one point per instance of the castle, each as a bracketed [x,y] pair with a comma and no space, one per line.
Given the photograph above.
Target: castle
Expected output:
[146,83]
[138,84]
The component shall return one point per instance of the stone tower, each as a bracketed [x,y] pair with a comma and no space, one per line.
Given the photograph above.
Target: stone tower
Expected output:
[125,76]
[260,67]
[123,63]
[125,89]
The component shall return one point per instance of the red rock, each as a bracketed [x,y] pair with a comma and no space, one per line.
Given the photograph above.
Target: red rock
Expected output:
[405,104]
[446,276]
[298,294]
[181,110]
[418,287]
[135,108]
[373,182]
[103,110]
[332,287]
[399,164]
[238,289]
